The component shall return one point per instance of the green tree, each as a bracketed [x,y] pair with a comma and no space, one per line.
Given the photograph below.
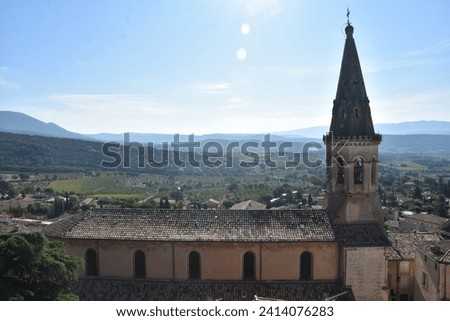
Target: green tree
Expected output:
[228,204]
[417,193]
[440,208]
[7,188]
[34,268]
[23,176]
[58,207]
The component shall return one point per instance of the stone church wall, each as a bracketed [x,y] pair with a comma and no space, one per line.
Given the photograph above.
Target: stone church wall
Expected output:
[366,273]
[219,260]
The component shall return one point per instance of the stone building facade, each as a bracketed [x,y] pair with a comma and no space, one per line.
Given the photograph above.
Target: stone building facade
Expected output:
[432,271]
[401,261]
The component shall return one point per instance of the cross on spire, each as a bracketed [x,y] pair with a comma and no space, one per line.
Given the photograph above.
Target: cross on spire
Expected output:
[348,16]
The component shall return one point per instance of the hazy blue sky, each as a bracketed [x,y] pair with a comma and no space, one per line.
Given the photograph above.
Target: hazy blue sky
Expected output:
[206,66]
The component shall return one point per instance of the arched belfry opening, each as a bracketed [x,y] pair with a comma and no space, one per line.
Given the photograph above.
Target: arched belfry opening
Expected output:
[340,171]
[374,171]
[358,171]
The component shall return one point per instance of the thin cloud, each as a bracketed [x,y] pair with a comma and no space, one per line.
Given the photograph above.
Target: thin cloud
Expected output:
[432,55]
[441,46]
[399,63]
[261,8]
[233,103]
[210,88]
[114,103]
[5,82]
[409,106]
[301,72]
[113,113]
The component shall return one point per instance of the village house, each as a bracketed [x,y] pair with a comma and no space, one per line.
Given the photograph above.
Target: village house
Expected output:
[432,270]
[211,204]
[421,222]
[401,263]
[249,205]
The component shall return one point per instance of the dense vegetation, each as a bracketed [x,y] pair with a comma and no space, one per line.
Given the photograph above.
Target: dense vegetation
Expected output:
[34,268]
[37,154]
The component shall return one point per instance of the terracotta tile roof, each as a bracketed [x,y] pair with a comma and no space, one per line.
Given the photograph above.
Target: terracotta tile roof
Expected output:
[150,290]
[61,225]
[426,218]
[248,205]
[402,244]
[8,226]
[361,234]
[439,251]
[197,225]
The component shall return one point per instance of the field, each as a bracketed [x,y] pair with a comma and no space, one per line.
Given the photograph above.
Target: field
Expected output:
[194,187]
[102,184]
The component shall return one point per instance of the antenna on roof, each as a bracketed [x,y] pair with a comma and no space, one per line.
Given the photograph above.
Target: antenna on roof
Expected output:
[348,16]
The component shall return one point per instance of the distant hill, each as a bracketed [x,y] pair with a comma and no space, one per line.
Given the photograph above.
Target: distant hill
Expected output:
[39,154]
[134,137]
[26,153]
[19,123]
[160,138]
[419,144]
[422,127]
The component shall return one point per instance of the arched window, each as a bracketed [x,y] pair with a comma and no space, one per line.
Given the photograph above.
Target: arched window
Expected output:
[249,266]
[194,265]
[91,263]
[306,266]
[374,171]
[358,171]
[140,270]
[340,173]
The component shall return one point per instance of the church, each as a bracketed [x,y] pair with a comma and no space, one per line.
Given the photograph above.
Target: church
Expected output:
[336,253]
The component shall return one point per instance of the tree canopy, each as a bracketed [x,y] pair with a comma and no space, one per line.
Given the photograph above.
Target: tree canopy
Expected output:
[35,268]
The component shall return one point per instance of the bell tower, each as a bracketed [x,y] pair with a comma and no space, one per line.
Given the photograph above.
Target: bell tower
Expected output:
[352,147]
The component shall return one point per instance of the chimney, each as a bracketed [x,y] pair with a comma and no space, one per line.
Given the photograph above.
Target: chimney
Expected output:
[435,249]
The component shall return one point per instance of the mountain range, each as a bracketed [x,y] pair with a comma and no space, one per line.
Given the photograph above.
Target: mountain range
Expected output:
[422,127]
[20,123]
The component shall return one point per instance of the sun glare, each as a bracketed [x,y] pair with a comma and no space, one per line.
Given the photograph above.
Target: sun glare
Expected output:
[245,29]
[241,54]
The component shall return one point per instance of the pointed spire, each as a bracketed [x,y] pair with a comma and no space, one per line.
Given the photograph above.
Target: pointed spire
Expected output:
[351,110]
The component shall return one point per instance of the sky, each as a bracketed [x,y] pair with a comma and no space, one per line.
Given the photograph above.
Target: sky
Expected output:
[218,66]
